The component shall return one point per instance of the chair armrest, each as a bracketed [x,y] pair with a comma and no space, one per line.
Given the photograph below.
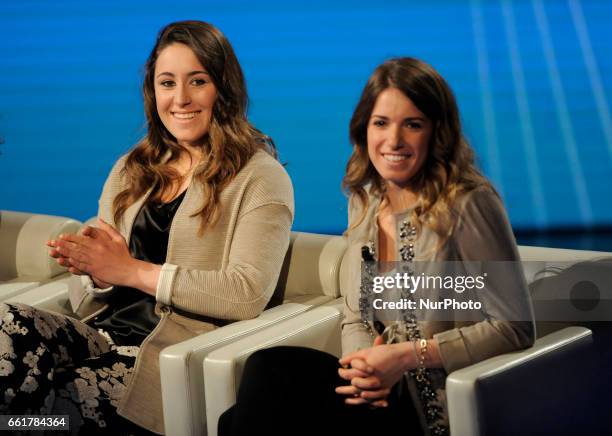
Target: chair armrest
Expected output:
[51,296]
[528,389]
[182,381]
[318,328]
[11,289]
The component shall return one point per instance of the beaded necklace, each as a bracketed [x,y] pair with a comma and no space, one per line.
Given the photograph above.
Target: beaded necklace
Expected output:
[421,375]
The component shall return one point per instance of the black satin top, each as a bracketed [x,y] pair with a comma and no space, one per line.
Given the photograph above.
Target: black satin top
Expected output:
[131,315]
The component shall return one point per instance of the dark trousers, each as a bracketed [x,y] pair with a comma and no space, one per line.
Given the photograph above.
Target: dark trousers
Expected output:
[290,391]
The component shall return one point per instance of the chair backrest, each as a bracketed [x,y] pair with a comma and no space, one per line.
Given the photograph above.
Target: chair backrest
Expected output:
[23,238]
[312,265]
[536,259]
[558,254]
[568,287]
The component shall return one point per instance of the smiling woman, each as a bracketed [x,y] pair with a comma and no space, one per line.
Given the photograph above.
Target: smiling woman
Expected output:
[415,195]
[193,227]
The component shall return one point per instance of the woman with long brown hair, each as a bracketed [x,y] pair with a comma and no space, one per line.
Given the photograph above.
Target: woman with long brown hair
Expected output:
[416,203]
[194,223]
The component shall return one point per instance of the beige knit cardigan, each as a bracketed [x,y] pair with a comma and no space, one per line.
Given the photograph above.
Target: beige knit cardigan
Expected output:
[228,273]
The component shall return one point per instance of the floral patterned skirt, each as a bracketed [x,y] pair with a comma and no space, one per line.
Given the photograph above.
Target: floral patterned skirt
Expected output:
[54,364]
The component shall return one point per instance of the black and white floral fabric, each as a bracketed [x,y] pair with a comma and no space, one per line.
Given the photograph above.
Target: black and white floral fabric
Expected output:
[54,364]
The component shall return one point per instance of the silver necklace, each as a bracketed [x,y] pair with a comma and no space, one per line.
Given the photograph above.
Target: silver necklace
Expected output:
[421,376]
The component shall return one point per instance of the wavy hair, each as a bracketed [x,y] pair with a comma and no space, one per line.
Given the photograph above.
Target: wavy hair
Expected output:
[449,168]
[231,139]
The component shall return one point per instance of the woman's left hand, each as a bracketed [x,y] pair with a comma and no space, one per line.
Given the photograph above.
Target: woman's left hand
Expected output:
[103,253]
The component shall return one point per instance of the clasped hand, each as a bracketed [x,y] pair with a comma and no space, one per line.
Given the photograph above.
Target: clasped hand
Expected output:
[373,372]
[101,253]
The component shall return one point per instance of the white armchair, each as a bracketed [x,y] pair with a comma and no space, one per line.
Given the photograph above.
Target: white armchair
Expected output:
[483,399]
[309,277]
[24,260]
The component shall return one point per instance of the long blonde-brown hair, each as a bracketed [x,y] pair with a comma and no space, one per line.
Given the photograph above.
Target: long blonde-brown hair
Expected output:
[231,139]
[449,168]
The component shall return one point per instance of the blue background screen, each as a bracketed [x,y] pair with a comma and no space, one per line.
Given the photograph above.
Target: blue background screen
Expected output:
[533,80]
